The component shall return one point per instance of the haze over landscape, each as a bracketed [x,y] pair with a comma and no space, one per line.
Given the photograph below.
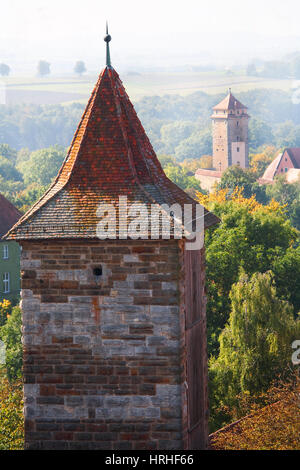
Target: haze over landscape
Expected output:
[184,33]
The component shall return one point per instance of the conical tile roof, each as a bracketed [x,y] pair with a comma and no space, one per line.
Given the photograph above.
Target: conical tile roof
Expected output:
[110,156]
[230,103]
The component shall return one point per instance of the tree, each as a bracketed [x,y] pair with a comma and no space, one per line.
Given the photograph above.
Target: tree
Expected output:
[193,164]
[25,199]
[270,424]
[43,165]
[235,176]
[251,70]
[5,311]
[295,68]
[255,345]
[4,70]
[182,178]
[43,68]
[166,160]
[79,67]
[260,161]
[275,69]
[174,133]
[198,144]
[9,153]
[251,236]
[11,415]
[8,170]
[260,133]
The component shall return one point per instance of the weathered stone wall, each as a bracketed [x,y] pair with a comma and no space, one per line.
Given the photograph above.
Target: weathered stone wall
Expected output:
[102,355]
[220,144]
[226,131]
[239,133]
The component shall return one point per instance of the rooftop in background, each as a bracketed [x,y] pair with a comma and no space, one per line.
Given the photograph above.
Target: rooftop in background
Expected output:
[9,215]
[229,103]
[284,164]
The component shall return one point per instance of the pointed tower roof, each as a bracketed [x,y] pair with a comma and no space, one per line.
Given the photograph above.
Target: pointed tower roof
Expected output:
[9,215]
[110,156]
[230,103]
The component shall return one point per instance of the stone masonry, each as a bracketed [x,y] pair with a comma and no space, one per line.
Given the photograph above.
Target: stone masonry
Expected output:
[103,357]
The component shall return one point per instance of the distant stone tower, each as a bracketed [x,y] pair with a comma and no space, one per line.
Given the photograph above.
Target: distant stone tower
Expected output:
[114,331]
[230,134]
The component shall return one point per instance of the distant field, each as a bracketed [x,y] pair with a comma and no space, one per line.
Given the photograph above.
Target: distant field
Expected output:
[54,90]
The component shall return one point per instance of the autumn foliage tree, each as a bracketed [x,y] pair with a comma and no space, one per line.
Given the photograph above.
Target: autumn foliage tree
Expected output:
[11,415]
[271,424]
[251,236]
[255,345]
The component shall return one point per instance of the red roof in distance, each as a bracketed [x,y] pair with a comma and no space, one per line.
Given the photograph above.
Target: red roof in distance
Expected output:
[9,215]
[229,103]
[294,153]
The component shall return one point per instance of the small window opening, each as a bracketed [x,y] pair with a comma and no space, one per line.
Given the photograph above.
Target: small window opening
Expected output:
[98,271]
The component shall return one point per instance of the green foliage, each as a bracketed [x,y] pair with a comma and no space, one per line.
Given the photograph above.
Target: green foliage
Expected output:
[179,125]
[287,134]
[43,165]
[261,159]
[10,334]
[235,176]
[35,127]
[174,133]
[5,311]
[286,194]
[4,70]
[43,68]
[25,199]
[8,170]
[260,133]
[80,67]
[9,153]
[181,177]
[255,345]
[167,160]
[198,144]
[251,70]
[255,241]
[11,415]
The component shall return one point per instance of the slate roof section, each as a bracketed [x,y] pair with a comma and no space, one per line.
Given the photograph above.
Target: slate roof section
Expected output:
[110,156]
[9,215]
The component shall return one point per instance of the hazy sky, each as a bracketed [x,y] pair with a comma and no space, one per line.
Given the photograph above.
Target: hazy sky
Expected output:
[146,31]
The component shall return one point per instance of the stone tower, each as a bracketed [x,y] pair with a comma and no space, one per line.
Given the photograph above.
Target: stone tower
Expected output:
[230,134]
[114,330]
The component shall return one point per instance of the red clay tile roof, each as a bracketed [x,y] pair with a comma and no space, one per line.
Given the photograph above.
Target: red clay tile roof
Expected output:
[230,102]
[212,173]
[294,153]
[110,155]
[270,172]
[9,215]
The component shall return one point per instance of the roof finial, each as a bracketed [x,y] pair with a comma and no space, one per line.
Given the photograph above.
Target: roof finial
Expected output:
[107,39]
[230,91]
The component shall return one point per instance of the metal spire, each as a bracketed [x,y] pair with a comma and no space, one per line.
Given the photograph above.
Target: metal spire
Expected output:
[107,39]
